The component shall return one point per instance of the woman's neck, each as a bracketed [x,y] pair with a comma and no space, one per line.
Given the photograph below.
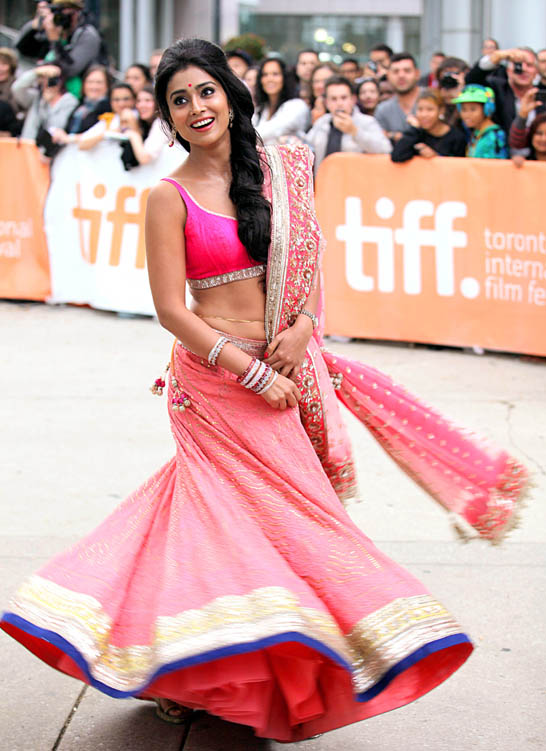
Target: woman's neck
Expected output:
[213,162]
[540,156]
[273,103]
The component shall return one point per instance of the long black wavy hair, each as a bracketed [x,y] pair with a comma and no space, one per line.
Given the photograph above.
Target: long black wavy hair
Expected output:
[287,92]
[247,178]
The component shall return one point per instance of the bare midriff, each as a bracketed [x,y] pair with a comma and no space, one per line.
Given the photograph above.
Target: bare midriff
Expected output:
[237,307]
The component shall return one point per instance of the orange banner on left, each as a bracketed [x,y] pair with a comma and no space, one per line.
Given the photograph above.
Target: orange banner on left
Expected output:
[24,262]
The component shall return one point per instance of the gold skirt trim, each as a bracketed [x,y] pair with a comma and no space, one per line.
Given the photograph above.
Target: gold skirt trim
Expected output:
[376,643]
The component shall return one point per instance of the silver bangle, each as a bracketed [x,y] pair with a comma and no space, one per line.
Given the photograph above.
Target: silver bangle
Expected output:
[310,315]
[269,383]
[217,348]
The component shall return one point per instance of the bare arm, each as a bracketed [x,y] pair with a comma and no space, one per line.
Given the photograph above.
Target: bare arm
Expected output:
[91,137]
[165,250]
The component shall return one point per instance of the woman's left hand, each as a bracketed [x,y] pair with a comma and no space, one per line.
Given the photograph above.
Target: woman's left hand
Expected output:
[286,352]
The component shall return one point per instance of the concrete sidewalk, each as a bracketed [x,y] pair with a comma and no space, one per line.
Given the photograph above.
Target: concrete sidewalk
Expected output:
[81,430]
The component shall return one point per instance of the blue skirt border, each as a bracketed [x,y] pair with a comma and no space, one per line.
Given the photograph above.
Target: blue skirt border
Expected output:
[235,649]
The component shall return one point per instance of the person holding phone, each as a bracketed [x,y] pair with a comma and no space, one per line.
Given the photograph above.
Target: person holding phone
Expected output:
[344,127]
[520,139]
[509,82]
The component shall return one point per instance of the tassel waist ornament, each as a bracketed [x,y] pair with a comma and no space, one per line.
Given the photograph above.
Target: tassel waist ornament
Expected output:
[180,399]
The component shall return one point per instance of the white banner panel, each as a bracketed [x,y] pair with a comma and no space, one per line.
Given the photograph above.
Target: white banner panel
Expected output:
[94,224]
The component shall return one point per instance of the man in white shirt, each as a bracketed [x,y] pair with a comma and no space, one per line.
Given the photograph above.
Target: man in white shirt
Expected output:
[344,127]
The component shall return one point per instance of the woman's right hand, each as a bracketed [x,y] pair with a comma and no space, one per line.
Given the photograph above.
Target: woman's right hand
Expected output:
[284,393]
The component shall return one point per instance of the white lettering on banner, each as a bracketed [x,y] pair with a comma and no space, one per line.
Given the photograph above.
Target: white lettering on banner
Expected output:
[443,238]
[11,228]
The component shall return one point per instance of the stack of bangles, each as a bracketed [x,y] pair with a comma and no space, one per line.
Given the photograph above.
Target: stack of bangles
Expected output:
[258,376]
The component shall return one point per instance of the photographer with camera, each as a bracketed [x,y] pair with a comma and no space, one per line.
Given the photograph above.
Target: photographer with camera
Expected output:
[73,42]
[41,91]
[451,81]
[510,82]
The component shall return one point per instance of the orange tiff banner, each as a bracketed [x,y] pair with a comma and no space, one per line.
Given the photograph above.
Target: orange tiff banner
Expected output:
[448,251]
[24,264]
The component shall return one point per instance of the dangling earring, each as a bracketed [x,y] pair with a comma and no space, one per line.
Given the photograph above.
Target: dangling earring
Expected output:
[231,118]
[173,136]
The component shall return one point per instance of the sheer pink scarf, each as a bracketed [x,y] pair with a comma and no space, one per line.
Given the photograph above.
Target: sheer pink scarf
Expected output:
[481,484]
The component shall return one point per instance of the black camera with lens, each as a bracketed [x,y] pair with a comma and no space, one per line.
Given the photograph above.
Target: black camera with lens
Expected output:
[61,19]
[448,81]
[518,68]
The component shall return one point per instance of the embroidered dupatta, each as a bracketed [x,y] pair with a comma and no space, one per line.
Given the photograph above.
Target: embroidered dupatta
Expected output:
[479,483]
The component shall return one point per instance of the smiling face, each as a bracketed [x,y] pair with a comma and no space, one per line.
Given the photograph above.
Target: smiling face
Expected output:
[472,114]
[145,104]
[427,113]
[95,85]
[198,106]
[135,78]
[272,78]
[529,71]
[120,99]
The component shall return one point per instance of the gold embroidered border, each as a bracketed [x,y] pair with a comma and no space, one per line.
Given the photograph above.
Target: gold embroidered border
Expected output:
[230,276]
[373,646]
[280,237]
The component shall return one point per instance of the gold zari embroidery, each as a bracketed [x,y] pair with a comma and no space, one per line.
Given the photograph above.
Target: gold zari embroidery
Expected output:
[374,645]
[230,276]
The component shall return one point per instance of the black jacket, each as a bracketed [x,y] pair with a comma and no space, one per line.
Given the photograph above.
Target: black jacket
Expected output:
[453,143]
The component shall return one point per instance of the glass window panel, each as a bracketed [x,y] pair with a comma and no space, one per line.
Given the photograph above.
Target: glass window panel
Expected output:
[328,34]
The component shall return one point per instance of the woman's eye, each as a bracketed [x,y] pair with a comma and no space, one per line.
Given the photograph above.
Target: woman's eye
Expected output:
[179,100]
[207,91]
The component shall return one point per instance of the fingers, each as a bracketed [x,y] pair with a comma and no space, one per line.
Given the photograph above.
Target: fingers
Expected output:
[292,401]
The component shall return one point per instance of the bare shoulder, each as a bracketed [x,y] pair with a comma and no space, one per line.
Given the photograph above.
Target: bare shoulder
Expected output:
[165,200]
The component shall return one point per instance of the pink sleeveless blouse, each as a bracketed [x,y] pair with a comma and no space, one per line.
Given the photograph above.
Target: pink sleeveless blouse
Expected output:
[214,253]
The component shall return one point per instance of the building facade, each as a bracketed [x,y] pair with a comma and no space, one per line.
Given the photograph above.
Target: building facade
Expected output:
[133,28]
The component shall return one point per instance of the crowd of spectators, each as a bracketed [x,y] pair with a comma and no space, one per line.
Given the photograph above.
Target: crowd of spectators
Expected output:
[67,91]
[494,108]
[385,104]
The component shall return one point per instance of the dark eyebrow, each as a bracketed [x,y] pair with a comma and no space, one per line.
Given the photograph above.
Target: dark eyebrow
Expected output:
[183,91]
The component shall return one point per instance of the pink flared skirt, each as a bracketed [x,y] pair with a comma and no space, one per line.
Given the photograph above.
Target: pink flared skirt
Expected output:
[234,581]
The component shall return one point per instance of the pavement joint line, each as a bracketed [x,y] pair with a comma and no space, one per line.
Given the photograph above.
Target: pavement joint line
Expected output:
[69,718]
[186,733]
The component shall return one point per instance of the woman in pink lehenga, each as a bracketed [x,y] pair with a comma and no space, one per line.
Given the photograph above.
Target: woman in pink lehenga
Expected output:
[233,580]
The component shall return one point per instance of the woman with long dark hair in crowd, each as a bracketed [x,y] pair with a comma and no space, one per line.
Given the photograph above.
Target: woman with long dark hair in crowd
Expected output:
[122,97]
[137,76]
[145,135]
[233,580]
[279,112]
[367,95]
[319,76]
